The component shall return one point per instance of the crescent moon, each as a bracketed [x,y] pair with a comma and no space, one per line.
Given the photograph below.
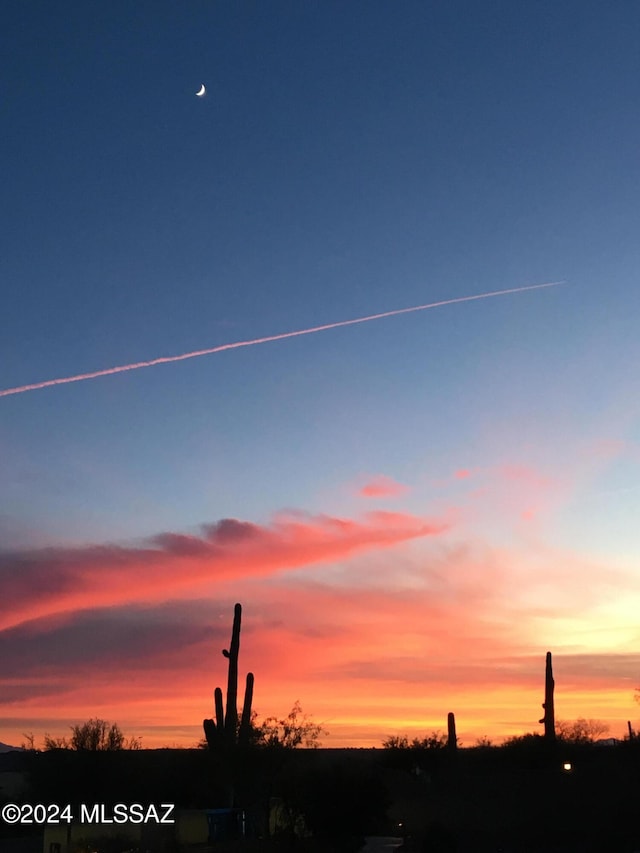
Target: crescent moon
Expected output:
[202,91]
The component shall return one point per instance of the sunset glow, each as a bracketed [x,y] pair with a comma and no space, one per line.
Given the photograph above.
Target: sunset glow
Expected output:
[379,624]
[412,506]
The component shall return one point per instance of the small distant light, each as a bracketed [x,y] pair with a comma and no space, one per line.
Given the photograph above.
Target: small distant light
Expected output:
[567,766]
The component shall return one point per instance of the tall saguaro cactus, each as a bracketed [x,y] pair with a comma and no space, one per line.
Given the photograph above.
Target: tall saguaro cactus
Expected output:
[224,730]
[549,713]
[231,714]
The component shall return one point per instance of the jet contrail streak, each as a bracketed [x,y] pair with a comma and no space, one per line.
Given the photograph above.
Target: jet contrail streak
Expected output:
[109,371]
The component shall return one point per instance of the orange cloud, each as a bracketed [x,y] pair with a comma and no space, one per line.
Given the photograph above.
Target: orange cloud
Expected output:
[396,659]
[382,487]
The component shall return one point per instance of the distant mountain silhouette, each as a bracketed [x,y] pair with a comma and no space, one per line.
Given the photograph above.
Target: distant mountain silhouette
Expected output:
[4,747]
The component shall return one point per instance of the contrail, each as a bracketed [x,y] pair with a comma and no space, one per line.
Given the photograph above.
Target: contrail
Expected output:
[109,371]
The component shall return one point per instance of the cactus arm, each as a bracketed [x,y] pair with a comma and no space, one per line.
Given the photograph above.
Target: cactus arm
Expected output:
[219,709]
[245,723]
[210,732]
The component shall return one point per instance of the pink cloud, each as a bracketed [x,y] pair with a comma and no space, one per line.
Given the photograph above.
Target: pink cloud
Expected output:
[526,474]
[382,487]
[46,581]
[462,474]
[609,448]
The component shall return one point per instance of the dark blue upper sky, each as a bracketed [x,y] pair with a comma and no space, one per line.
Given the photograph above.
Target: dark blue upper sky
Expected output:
[349,158]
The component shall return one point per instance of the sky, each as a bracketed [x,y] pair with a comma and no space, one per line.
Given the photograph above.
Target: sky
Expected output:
[412,510]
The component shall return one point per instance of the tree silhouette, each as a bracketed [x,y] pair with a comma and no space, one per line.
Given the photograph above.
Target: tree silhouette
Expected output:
[580,730]
[436,740]
[95,735]
[296,729]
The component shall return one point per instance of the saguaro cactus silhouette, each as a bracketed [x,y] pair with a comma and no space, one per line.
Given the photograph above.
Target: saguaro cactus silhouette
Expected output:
[452,740]
[224,730]
[549,714]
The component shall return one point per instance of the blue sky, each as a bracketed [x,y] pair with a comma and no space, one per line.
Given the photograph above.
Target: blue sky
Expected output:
[348,159]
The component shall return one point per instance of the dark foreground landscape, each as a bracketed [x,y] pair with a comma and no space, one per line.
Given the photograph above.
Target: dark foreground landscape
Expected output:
[526,798]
